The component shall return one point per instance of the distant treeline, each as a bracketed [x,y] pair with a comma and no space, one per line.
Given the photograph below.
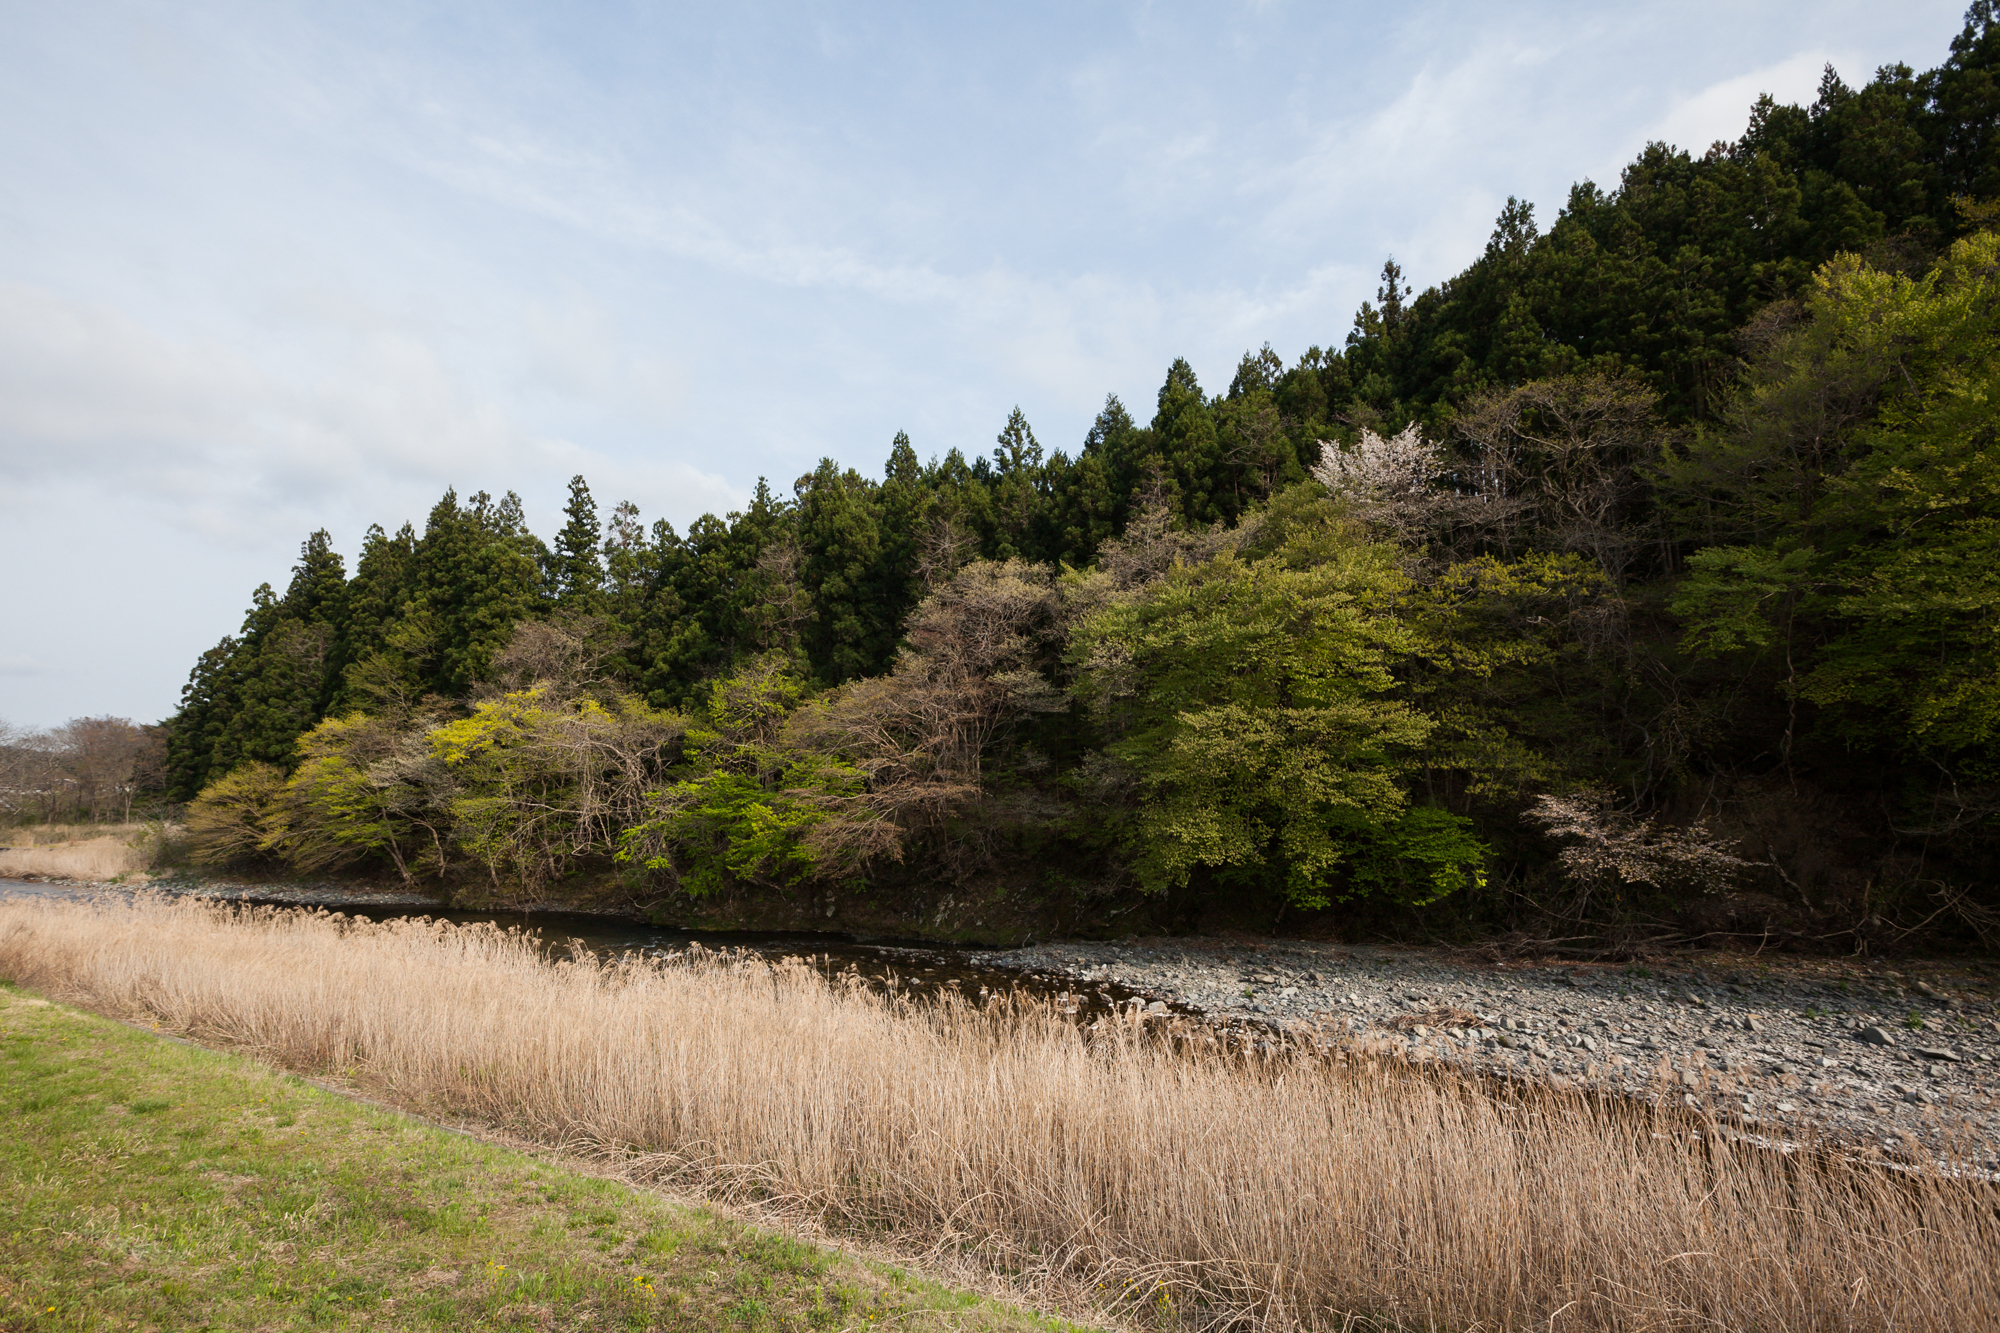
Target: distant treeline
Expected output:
[88,769]
[1645,567]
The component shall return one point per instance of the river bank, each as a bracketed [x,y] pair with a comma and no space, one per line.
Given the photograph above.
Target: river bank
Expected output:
[1868,1052]
[1272,1188]
[1865,1051]
[155,1184]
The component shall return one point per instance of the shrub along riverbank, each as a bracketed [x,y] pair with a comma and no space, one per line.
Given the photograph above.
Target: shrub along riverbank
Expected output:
[1291,1191]
[156,1185]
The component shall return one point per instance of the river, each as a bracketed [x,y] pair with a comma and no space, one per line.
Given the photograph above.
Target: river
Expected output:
[909,966]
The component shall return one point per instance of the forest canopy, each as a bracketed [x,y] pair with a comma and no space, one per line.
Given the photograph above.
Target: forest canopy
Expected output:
[1646,566]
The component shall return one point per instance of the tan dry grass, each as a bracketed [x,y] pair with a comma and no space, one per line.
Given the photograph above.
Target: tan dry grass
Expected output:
[1288,1192]
[99,859]
[43,835]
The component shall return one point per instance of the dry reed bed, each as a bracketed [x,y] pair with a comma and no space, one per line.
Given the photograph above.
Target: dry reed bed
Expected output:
[92,859]
[1291,1192]
[37,835]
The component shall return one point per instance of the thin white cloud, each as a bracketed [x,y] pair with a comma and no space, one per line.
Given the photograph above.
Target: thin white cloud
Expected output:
[238,452]
[1440,121]
[1720,111]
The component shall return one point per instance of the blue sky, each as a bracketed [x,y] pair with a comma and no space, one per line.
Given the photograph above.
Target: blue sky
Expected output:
[266,268]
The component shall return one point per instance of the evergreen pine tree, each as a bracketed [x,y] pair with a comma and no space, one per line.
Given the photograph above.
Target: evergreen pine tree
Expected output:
[905,502]
[317,594]
[1018,482]
[1184,428]
[475,574]
[207,701]
[377,596]
[850,632]
[577,581]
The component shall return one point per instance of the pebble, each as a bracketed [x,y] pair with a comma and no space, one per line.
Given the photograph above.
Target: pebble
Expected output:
[1808,1039]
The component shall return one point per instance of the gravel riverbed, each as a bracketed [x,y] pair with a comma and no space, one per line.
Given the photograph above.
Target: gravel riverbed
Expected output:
[1865,1052]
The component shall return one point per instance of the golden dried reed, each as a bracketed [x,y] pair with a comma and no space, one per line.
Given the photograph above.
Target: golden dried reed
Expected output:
[1278,1193]
[40,835]
[96,859]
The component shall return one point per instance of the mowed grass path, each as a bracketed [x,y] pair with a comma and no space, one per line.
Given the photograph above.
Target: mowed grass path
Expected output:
[149,1184]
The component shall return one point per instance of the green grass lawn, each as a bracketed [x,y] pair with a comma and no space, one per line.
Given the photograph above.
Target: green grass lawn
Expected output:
[146,1184]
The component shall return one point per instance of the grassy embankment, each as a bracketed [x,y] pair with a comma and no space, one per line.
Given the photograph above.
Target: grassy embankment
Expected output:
[150,1184]
[1294,1191]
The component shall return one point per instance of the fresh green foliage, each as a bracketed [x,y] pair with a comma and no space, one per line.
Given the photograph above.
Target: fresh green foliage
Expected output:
[751,811]
[231,819]
[1738,597]
[1251,699]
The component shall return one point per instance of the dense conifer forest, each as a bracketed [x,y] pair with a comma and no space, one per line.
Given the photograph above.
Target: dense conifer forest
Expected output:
[1638,581]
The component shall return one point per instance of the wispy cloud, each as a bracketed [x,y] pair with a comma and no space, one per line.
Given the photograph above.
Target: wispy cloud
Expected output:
[242,453]
[1719,112]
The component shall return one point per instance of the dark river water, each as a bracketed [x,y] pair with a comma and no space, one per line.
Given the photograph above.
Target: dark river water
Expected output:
[909,966]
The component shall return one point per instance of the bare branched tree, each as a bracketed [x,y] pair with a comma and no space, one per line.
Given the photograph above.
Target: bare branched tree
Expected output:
[89,768]
[781,614]
[968,669]
[920,733]
[1569,451]
[945,545]
[21,768]
[565,655]
[98,755]
[1153,543]
[1607,847]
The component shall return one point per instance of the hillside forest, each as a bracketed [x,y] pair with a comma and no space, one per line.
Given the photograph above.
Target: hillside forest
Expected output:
[1639,582]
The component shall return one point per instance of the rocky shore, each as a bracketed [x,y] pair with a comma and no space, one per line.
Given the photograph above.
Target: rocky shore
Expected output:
[1868,1052]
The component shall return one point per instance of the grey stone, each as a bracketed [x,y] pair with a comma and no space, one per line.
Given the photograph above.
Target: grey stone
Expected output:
[1876,1036]
[1936,1053]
